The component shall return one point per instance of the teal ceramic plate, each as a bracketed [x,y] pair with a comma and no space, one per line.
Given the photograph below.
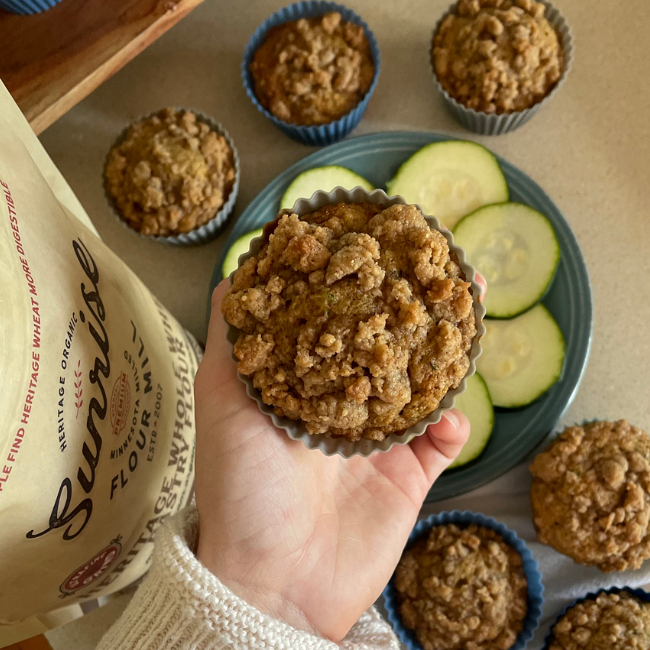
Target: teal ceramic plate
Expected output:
[518,432]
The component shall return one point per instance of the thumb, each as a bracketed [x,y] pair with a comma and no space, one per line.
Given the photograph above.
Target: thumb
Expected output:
[217,374]
[441,443]
[217,328]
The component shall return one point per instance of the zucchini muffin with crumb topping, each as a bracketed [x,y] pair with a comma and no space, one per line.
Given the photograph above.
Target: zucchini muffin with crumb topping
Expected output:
[355,319]
[497,56]
[590,495]
[607,622]
[462,589]
[314,70]
[170,174]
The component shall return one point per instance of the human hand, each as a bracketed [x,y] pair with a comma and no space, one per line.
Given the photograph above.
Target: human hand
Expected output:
[307,538]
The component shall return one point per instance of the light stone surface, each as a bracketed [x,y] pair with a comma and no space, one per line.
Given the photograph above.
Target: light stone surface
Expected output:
[589,149]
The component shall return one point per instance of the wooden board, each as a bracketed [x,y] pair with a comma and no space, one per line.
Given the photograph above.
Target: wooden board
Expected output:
[35,643]
[52,60]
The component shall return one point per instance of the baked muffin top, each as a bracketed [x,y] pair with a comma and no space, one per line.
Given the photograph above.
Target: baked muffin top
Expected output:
[609,622]
[170,174]
[462,589]
[497,56]
[353,318]
[313,70]
[590,495]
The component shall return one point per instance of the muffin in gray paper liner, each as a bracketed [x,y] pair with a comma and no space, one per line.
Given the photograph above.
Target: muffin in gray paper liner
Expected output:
[296,429]
[491,123]
[208,231]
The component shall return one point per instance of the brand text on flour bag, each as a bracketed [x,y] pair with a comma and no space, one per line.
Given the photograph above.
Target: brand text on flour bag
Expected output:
[97,412]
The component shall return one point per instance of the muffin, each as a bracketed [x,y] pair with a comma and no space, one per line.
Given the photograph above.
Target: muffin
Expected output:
[608,621]
[462,588]
[590,495]
[353,319]
[170,173]
[313,71]
[497,56]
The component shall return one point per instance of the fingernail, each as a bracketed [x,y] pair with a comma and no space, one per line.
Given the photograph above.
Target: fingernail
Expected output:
[480,280]
[452,418]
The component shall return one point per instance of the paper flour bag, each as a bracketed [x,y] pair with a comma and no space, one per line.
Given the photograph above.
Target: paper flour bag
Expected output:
[97,413]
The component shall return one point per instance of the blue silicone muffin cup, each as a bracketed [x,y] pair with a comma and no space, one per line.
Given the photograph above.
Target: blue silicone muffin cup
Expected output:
[322,134]
[26,7]
[462,519]
[638,593]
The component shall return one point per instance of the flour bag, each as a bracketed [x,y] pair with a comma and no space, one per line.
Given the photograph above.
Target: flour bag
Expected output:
[96,396]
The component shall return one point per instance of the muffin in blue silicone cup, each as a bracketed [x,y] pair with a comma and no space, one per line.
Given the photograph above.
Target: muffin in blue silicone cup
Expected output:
[311,69]
[27,7]
[522,53]
[616,619]
[476,553]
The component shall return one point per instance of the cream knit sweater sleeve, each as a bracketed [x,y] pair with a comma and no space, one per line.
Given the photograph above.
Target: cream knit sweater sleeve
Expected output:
[182,606]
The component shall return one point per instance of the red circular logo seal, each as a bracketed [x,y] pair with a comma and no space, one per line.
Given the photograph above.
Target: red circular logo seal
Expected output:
[120,403]
[93,569]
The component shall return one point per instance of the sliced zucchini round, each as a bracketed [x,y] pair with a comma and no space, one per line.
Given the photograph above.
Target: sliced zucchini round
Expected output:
[241,246]
[515,249]
[522,357]
[476,404]
[322,178]
[450,179]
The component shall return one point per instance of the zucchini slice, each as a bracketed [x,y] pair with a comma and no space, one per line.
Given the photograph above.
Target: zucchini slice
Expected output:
[322,178]
[522,357]
[450,179]
[241,246]
[476,404]
[515,249]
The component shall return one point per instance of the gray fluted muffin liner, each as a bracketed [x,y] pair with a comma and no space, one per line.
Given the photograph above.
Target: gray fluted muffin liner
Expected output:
[493,124]
[208,231]
[296,429]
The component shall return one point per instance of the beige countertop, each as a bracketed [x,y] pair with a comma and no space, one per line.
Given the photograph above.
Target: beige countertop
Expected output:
[589,149]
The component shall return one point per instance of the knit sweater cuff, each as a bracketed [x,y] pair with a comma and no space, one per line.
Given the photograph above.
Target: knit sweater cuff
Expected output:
[182,605]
